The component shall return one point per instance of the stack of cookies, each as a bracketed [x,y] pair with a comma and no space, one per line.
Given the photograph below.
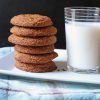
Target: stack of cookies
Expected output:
[34,39]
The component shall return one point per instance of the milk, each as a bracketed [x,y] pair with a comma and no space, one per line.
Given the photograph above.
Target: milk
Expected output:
[83,44]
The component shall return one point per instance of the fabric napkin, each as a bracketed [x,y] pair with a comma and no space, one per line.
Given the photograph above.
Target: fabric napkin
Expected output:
[19,88]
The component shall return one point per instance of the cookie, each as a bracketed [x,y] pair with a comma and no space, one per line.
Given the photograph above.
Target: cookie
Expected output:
[31,20]
[36,59]
[33,32]
[34,50]
[47,67]
[27,41]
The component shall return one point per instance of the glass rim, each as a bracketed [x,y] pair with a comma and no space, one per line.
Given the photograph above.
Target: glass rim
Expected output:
[81,8]
[82,13]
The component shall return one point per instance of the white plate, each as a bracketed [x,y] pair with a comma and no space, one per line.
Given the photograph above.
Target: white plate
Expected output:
[7,66]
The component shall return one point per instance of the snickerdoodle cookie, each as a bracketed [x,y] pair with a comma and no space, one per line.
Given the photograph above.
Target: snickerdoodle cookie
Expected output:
[33,32]
[36,59]
[31,20]
[28,41]
[47,67]
[34,50]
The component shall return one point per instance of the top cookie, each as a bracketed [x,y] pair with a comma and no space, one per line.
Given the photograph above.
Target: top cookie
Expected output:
[31,20]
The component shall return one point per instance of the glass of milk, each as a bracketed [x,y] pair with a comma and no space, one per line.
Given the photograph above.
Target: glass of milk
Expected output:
[82,25]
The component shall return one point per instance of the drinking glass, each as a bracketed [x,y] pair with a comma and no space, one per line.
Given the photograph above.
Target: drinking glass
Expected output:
[82,25]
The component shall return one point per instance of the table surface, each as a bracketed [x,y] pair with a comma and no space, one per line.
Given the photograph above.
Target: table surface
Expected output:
[14,88]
